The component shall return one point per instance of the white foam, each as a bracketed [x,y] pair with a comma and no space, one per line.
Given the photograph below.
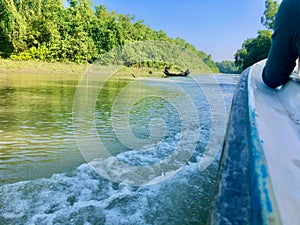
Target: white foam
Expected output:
[85,197]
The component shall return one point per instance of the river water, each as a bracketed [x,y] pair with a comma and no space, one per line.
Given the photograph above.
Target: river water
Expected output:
[45,178]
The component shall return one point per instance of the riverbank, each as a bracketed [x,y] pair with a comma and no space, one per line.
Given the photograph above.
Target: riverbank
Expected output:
[40,67]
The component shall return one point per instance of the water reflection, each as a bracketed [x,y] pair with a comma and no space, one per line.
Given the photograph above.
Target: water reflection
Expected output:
[37,140]
[36,132]
[36,137]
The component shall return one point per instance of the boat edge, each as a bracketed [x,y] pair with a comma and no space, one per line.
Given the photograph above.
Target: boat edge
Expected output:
[255,200]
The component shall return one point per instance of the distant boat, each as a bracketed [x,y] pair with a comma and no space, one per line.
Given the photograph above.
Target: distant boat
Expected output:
[183,74]
[259,174]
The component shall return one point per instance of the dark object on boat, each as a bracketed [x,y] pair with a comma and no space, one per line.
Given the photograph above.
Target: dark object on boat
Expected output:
[183,74]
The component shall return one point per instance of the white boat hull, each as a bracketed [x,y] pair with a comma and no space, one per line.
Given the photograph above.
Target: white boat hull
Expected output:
[260,165]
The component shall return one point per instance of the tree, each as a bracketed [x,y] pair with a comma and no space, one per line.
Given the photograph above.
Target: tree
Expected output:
[106,31]
[12,29]
[211,64]
[71,30]
[254,49]
[42,19]
[228,67]
[268,19]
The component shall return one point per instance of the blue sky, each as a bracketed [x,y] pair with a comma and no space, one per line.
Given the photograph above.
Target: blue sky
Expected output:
[218,27]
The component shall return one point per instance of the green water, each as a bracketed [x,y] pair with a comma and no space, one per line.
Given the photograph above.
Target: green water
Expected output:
[36,131]
[36,138]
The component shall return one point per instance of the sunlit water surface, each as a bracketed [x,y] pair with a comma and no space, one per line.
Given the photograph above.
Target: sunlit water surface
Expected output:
[45,180]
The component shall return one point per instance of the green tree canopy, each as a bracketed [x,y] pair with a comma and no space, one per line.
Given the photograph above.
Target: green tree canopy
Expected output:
[229,67]
[12,29]
[155,54]
[268,19]
[256,49]
[72,31]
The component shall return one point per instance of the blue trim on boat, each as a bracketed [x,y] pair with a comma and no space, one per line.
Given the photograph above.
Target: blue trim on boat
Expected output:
[264,207]
[243,194]
[232,194]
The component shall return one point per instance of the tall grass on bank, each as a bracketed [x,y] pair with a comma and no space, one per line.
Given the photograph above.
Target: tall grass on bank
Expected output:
[40,67]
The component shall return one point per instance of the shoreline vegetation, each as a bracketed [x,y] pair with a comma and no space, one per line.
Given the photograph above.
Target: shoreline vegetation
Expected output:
[9,66]
[67,36]
[40,67]
[76,32]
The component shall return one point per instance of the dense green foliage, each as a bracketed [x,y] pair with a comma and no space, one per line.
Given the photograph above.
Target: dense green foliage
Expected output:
[53,30]
[256,49]
[154,54]
[228,67]
[268,19]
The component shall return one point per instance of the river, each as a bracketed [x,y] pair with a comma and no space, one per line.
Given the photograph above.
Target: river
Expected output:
[45,177]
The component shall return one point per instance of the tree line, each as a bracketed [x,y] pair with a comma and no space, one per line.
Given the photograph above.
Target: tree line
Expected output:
[253,49]
[72,31]
[256,49]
